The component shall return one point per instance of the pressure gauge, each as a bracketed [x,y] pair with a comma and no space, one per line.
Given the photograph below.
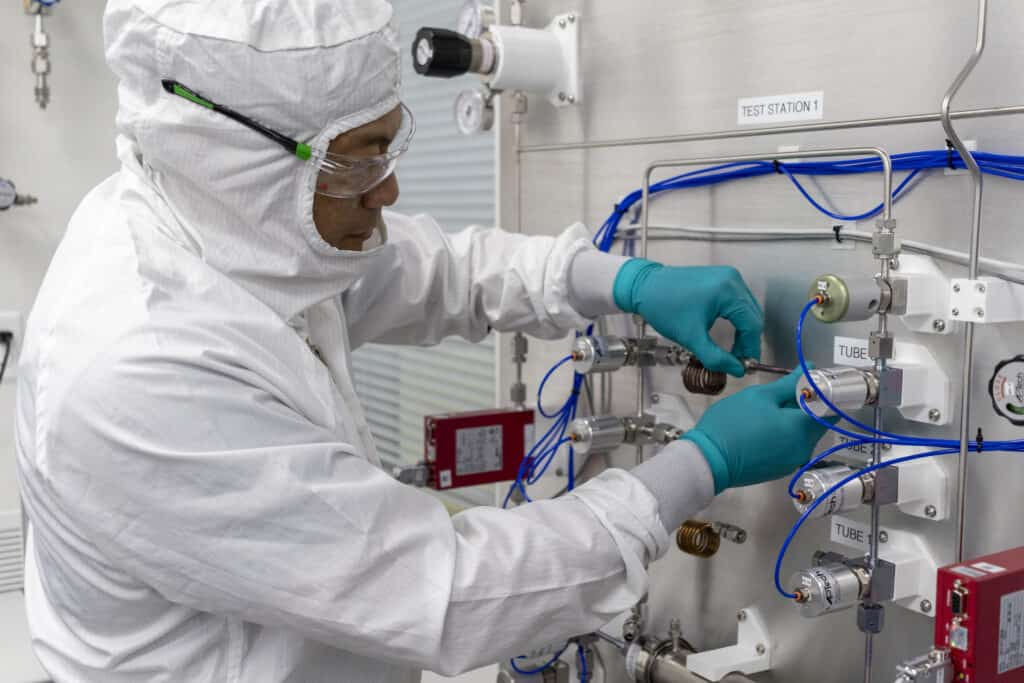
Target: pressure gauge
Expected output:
[7,194]
[474,112]
[1006,389]
[475,18]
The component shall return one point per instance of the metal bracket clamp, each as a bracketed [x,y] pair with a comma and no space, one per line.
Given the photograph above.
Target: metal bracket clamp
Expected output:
[884,242]
[751,654]
[921,292]
[986,301]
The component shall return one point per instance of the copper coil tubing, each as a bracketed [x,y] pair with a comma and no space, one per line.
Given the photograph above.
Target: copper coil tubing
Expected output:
[698,538]
[699,380]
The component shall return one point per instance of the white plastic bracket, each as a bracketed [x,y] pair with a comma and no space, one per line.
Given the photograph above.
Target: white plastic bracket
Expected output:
[927,291]
[751,654]
[545,61]
[915,566]
[987,300]
[924,489]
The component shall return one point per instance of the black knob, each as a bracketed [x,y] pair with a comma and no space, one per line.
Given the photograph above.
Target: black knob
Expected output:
[441,53]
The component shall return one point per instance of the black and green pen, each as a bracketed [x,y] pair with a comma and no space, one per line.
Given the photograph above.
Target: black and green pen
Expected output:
[299,149]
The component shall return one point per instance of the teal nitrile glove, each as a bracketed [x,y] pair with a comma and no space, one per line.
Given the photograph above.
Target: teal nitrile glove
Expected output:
[759,434]
[683,303]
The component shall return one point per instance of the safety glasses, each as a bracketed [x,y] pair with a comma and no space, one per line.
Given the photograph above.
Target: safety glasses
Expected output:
[341,176]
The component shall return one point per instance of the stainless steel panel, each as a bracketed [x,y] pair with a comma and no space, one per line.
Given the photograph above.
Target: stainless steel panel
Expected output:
[670,67]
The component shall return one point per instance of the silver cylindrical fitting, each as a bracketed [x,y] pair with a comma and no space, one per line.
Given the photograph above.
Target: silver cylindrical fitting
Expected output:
[830,588]
[596,434]
[815,483]
[599,354]
[846,388]
[663,664]
[849,298]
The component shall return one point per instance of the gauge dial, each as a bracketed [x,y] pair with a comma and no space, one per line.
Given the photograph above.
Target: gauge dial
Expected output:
[474,112]
[1007,390]
[7,194]
[475,18]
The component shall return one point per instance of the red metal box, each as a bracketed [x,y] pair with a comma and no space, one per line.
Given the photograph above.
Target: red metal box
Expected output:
[482,447]
[980,618]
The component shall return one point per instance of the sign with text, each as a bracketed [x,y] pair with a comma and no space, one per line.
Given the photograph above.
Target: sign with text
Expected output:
[802,106]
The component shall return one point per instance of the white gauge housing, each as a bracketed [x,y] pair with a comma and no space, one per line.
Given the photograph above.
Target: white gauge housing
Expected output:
[474,112]
[8,194]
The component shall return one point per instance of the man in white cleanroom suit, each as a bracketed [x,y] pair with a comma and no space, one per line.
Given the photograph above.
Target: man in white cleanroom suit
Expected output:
[204,496]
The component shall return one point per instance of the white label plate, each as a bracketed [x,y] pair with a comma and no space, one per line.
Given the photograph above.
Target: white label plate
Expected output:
[478,450]
[990,568]
[850,533]
[1011,632]
[851,352]
[967,571]
[801,106]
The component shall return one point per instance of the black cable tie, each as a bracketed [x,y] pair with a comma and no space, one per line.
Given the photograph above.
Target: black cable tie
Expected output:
[777,165]
[838,229]
[981,441]
[949,154]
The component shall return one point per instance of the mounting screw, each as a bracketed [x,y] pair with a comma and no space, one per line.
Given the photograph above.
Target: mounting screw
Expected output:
[934,415]
[939,325]
[956,288]
[956,312]
[562,23]
[741,615]
[655,398]
[572,18]
[571,99]
[561,96]
[883,536]
[894,263]
[559,472]
[980,312]
[931,512]
[981,289]
[761,649]
[926,606]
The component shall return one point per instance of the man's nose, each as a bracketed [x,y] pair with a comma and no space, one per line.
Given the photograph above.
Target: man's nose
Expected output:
[385,194]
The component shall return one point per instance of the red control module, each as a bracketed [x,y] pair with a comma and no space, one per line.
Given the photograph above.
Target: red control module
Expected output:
[980,618]
[469,449]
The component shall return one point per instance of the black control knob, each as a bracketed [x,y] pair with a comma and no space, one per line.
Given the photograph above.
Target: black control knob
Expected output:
[441,53]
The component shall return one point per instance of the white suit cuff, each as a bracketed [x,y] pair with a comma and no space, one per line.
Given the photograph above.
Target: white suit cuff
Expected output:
[592,281]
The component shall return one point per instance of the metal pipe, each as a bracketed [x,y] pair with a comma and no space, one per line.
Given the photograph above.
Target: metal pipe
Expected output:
[887,183]
[850,124]
[973,266]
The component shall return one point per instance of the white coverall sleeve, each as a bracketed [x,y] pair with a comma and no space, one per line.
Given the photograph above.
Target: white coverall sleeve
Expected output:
[201,478]
[432,284]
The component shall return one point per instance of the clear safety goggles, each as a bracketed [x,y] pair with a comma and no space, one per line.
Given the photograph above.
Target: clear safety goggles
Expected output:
[346,176]
[342,176]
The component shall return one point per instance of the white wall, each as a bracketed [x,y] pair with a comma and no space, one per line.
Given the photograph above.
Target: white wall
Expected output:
[57,155]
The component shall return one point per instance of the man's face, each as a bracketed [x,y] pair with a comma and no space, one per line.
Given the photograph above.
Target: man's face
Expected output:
[348,223]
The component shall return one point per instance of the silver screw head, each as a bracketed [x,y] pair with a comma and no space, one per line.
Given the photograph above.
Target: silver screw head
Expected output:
[761,649]
[883,537]
[956,312]
[926,606]
[562,23]
[572,18]
[934,415]
[939,325]
[981,288]
[956,288]
[655,398]
[561,96]
[931,512]
[980,312]
[571,99]
[741,615]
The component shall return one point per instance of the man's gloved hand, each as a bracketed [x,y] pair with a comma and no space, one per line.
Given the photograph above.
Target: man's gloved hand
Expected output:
[683,303]
[757,435]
